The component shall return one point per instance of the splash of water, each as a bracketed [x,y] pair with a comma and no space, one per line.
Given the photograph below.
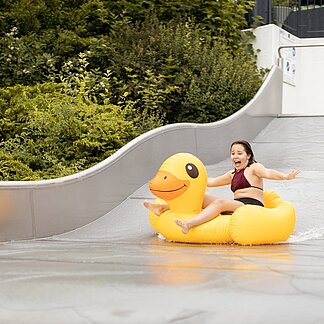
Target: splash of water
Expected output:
[314,233]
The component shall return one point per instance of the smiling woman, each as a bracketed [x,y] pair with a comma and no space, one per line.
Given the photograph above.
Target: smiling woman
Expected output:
[246,183]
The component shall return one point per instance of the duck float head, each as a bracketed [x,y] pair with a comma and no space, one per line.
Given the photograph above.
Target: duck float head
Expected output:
[181,182]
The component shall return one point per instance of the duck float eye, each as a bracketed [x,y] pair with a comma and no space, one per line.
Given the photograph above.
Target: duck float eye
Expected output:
[192,170]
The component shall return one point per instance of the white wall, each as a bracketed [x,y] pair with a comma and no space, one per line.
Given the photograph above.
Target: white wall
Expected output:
[303,68]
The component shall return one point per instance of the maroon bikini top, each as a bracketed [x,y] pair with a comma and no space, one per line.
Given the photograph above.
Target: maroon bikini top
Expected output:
[240,182]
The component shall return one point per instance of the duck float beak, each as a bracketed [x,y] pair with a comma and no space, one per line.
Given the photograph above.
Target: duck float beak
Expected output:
[167,187]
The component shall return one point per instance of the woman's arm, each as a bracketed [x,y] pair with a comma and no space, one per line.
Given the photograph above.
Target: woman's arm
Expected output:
[263,172]
[222,180]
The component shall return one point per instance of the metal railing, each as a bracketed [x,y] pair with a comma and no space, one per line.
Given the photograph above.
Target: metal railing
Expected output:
[302,18]
[280,58]
[296,46]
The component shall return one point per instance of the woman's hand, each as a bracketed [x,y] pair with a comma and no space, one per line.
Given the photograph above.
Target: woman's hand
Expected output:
[292,175]
[271,174]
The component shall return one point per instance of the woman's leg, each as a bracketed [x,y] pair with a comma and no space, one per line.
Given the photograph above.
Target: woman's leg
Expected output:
[158,208]
[155,208]
[208,199]
[214,208]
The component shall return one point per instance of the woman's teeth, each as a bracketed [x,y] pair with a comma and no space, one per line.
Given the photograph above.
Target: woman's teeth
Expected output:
[237,163]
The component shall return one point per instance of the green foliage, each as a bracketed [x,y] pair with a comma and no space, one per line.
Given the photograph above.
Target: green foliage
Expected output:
[285,3]
[13,170]
[61,29]
[95,86]
[32,59]
[223,85]
[50,133]
[177,72]
[81,78]
[94,19]
[223,18]
[84,16]
[22,60]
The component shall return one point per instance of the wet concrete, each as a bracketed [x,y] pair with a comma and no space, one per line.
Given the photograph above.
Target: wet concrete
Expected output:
[116,270]
[161,282]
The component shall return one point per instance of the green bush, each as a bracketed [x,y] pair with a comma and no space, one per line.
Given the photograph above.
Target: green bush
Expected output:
[96,86]
[14,170]
[38,37]
[34,59]
[176,71]
[222,85]
[223,18]
[54,134]
[107,71]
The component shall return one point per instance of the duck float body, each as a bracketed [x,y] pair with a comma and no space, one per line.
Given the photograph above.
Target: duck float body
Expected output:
[181,183]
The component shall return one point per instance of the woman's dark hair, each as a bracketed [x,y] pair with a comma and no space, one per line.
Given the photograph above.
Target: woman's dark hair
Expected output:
[247,148]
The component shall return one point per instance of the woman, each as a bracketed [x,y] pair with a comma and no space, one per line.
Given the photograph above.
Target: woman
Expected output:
[246,183]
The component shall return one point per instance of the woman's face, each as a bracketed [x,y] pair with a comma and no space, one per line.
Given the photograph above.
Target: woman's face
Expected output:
[239,157]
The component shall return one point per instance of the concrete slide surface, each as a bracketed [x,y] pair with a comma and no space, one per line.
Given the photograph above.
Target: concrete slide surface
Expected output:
[116,270]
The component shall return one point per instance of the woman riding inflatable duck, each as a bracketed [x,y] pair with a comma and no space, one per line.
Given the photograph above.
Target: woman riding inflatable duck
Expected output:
[246,183]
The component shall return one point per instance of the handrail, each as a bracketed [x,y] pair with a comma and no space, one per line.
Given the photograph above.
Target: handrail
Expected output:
[297,45]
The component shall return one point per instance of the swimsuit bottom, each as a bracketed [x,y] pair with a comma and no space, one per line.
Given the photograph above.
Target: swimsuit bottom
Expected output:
[250,201]
[245,201]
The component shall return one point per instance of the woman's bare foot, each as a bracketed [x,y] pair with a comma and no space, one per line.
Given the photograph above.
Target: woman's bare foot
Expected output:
[157,209]
[185,225]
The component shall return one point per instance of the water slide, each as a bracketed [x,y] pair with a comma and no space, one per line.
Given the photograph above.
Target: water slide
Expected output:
[80,249]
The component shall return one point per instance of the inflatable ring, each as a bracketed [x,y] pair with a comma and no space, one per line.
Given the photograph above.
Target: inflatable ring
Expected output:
[181,182]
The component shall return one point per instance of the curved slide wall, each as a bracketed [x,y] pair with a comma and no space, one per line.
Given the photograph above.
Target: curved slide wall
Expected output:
[36,209]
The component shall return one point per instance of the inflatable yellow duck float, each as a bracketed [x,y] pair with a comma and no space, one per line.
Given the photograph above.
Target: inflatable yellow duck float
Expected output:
[181,182]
